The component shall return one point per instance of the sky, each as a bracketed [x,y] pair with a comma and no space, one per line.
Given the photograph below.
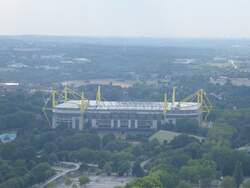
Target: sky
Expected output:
[127,18]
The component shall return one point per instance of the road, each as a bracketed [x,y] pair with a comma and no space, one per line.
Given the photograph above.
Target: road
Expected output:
[63,173]
[144,163]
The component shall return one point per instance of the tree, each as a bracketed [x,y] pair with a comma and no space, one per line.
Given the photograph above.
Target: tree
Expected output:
[226,159]
[67,181]
[137,150]
[150,181]
[246,184]
[20,167]
[199,170]
[41,172]
[184,184]
[84,180]
[137,170]
[51,185]
[167,179]
[6,171]
[108,168]
[116,145]
[13,183]
[123,167]
[182,140]
[194,149]
[50,147]
[84,166]
[238,173]
[228,182]
[108,138]
[189,173]
[52,158]
[221,133]
[179,158]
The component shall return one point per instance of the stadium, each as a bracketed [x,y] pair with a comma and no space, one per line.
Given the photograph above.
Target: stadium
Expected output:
[125,115]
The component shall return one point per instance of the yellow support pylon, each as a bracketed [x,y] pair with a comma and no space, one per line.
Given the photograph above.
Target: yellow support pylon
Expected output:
[198,96]
[82,105]
[51,102]
[174,96]
[54,103]
[98,94]
[201,96]
[65,93]
[165,105]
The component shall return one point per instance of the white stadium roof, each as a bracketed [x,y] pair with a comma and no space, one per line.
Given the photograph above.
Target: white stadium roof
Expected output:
[125,105]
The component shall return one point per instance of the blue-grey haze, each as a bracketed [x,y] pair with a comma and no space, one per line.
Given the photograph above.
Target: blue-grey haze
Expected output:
[148,18]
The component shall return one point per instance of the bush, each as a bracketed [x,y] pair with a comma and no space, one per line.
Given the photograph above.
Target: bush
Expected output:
[67,181]
[228,182]
[84,180]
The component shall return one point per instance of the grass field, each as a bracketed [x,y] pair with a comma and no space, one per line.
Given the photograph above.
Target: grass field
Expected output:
[169,136]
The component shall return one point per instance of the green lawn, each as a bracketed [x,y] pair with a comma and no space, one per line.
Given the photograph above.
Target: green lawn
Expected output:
[168,136]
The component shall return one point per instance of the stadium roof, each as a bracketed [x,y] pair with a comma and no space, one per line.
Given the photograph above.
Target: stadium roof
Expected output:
[127,105]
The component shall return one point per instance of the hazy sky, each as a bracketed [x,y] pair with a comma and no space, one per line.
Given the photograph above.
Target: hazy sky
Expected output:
[154,18]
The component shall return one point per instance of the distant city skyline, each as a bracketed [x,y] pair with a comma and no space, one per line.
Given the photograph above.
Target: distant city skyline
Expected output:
[127,18]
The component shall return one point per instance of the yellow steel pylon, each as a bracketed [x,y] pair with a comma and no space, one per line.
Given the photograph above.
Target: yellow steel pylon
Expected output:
[82,105]
[98,94]
[165,104]
[201,98]
[174,96]
[52,99]
[65,93]
[54,103]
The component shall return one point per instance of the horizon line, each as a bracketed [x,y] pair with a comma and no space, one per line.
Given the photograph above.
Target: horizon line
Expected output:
[125,37]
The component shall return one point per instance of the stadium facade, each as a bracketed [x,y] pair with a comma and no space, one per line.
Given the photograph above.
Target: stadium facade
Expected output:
[124,115]
[114,115]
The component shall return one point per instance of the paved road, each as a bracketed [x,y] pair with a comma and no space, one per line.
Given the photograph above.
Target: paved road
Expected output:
[144,163]
[63,173]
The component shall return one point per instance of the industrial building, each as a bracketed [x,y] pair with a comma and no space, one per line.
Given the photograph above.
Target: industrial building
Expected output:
[124,115]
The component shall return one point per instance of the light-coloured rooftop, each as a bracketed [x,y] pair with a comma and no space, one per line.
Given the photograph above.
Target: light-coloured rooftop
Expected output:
[127,105]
